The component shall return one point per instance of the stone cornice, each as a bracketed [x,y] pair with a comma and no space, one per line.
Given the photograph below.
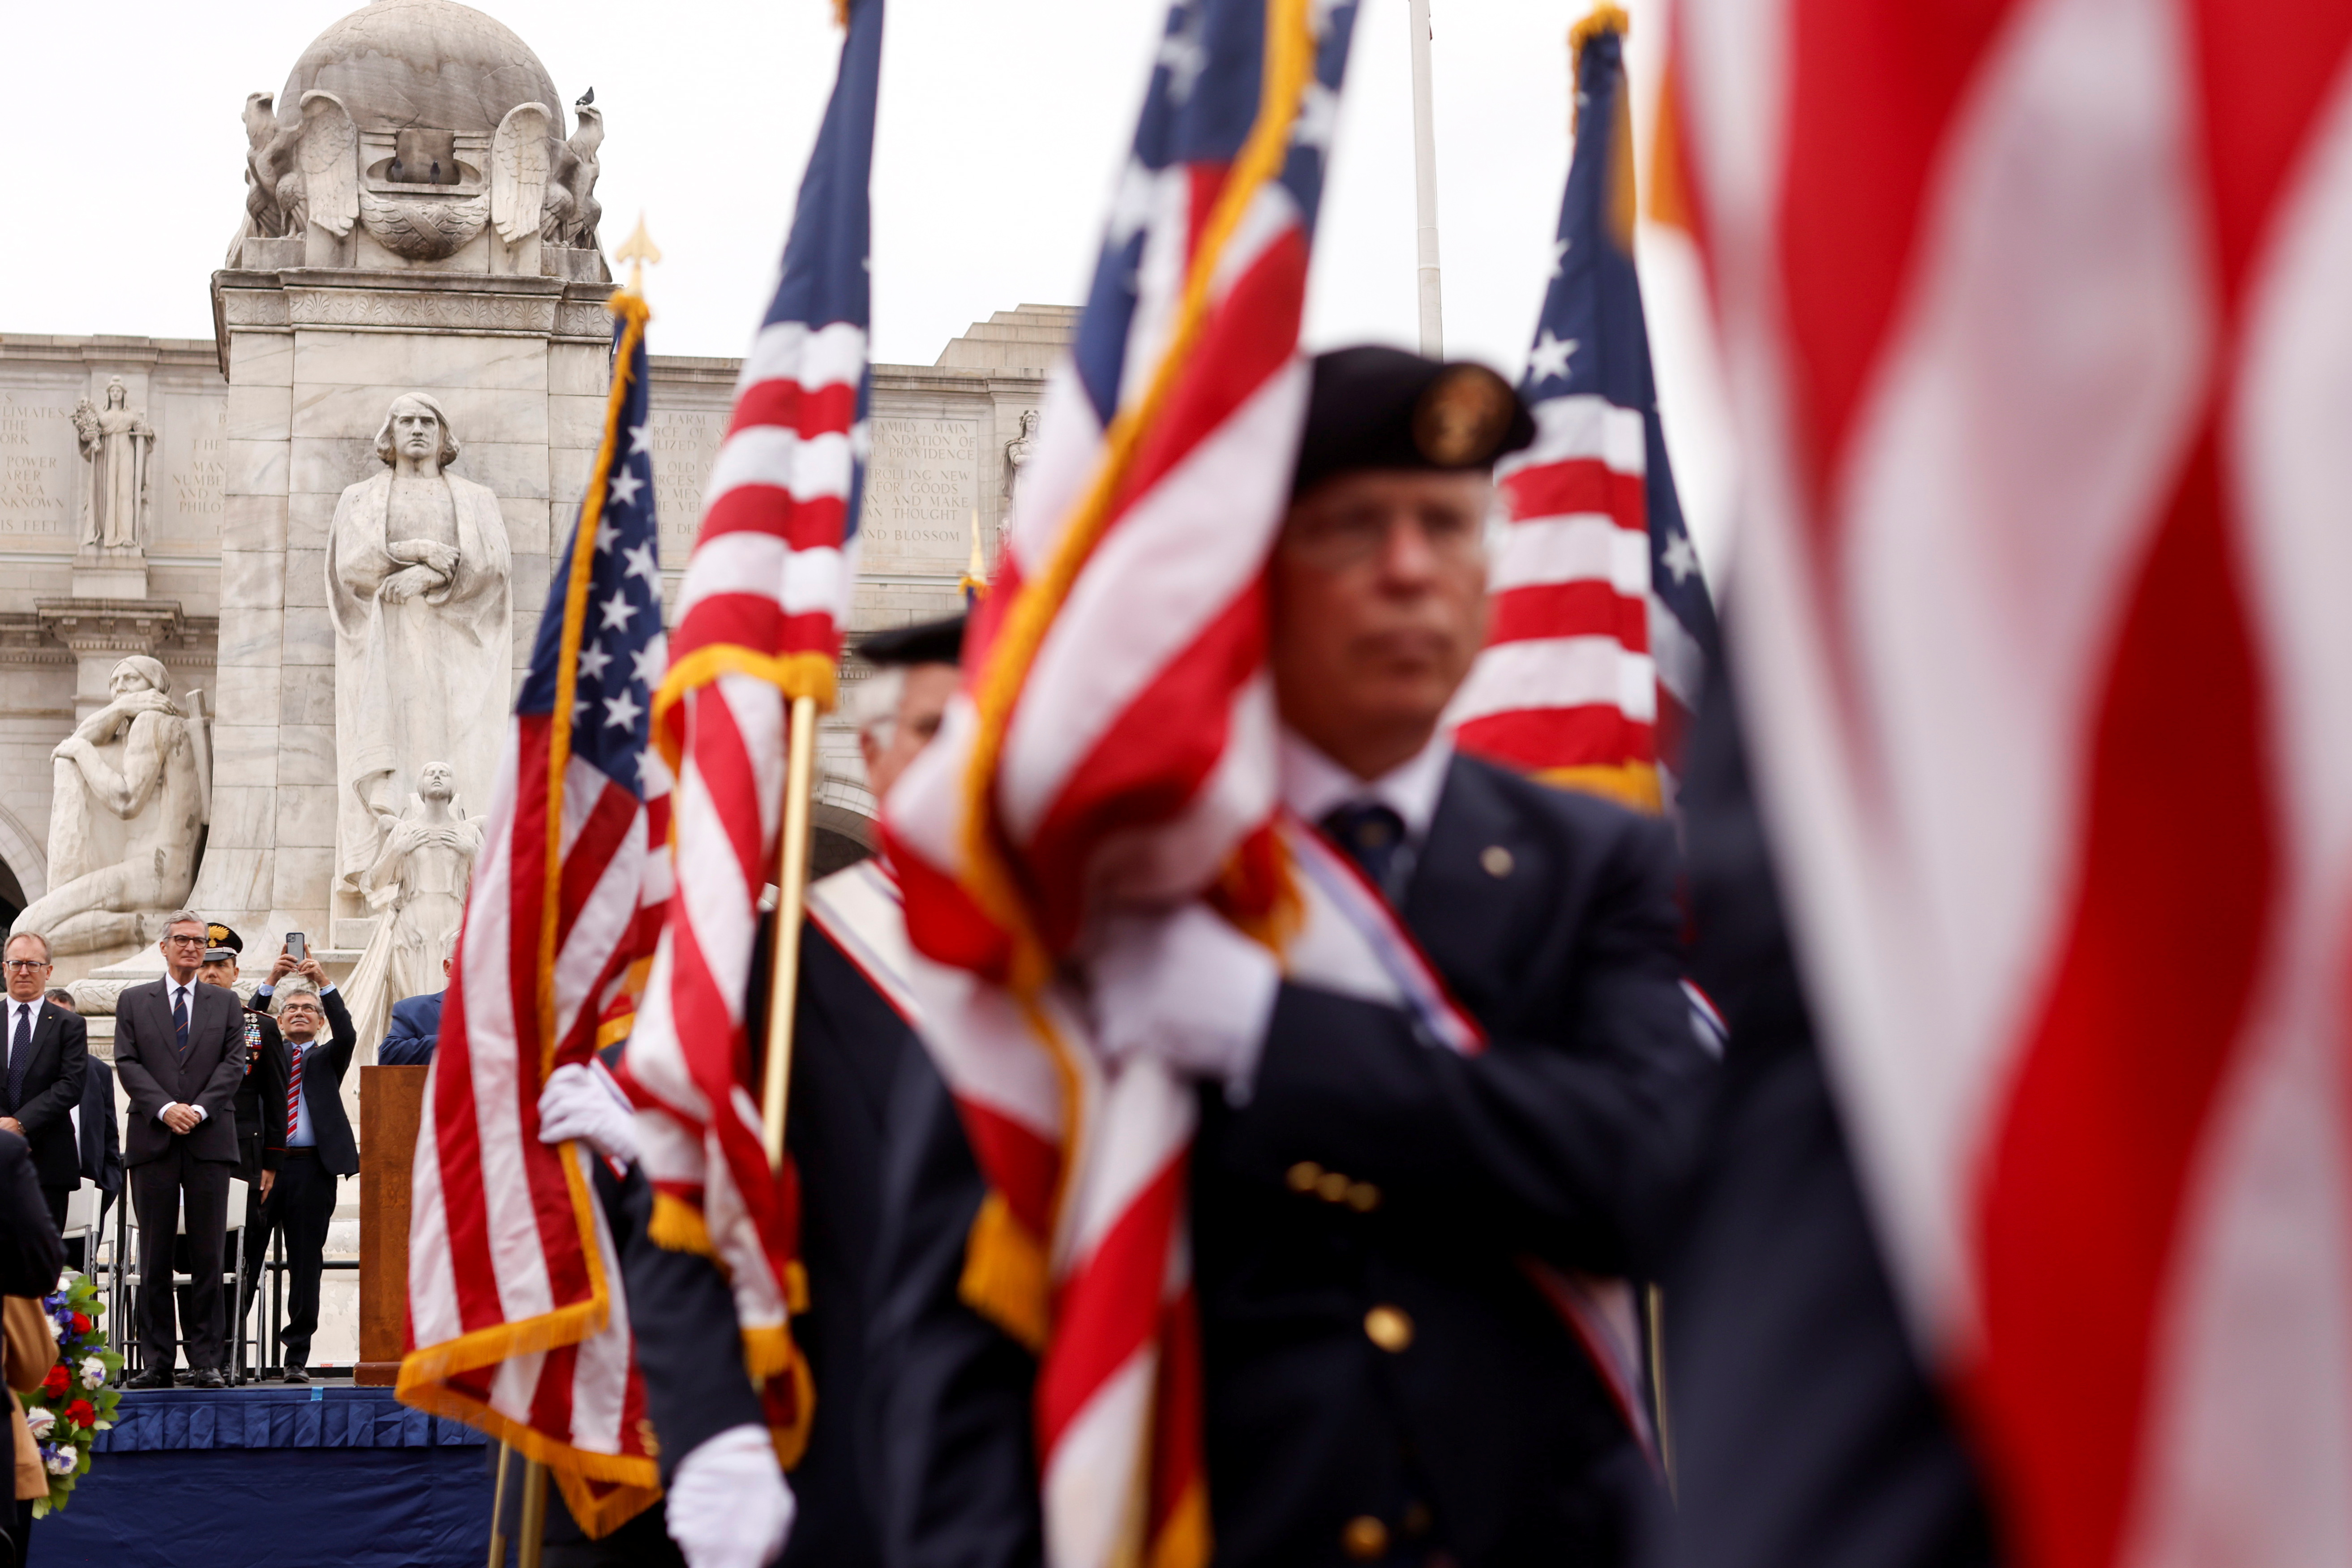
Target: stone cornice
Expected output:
[62,630]
[476,304]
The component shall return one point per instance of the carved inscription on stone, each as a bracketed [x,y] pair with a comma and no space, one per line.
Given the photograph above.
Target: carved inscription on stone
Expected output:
[921,486]
[188,499]
[685,443]
[41,469]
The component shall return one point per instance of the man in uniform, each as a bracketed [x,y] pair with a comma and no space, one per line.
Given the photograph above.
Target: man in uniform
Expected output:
[1385,1379]
[851,1040]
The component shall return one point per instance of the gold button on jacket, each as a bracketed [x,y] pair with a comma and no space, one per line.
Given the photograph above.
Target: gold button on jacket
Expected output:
[1390,1328]
[1365,1538]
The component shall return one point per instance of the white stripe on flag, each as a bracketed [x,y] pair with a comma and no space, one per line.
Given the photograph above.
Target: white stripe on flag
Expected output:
[1583,547]
[801,581]
[1558,672]
[1583,427]
[807,467]
[787,351]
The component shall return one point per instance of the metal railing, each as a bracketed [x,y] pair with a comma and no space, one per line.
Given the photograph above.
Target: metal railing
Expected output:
[268,1354]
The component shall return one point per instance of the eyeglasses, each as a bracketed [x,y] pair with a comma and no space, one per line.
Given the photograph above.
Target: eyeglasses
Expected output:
[23,964]
[185,941]
[1335,539]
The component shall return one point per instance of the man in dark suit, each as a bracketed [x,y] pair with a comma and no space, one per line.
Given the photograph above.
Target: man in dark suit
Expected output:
[47,1052]
[260,1125]
[179,1049]
[319,1145]
[415,1029]
[1385,1381]
[848,1047]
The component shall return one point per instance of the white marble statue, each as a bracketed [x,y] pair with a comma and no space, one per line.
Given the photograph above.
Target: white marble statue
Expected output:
[418,886]
[418,584]
[116,442]
[127,804]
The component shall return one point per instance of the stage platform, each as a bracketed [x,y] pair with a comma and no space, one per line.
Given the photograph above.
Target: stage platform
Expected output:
[272,1476]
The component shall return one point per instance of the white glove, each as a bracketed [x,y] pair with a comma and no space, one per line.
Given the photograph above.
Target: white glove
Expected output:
[588,1105]
[1183,987]
[729,1506]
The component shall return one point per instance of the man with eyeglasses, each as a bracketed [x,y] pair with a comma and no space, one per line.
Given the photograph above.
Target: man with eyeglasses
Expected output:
[318,1146]
[1380,1226]
[179,1050]
[47,1059]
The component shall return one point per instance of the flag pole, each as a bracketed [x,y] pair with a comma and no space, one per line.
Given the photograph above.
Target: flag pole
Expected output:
[497,1510]
[791,900]
[534,1537]
[1424,185]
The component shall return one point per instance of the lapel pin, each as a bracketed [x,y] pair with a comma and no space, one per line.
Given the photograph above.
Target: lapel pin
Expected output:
[1496,859]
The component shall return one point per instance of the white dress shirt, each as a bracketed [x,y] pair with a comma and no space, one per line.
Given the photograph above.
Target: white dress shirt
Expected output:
[1314,786]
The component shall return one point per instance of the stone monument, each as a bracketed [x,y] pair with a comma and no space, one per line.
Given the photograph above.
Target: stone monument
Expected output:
[418,582]
[418,883]
[128,803]
[419,215]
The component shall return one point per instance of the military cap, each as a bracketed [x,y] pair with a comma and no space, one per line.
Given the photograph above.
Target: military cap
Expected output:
[1375,407]
[926,642]
[221,944]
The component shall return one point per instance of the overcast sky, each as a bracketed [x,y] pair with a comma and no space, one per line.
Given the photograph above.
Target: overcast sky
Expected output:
[1002,124]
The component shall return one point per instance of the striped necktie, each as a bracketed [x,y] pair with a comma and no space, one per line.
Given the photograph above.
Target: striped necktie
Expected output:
[294,1091]
[180,1018]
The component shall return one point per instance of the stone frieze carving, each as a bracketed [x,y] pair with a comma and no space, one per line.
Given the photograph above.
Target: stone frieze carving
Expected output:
[423,230]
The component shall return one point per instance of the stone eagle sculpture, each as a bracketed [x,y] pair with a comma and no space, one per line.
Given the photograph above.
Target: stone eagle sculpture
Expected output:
[307,171]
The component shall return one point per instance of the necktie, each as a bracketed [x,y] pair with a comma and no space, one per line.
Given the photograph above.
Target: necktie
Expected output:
[20,1057]
[294,1091]
[1373,836]
[180,1018]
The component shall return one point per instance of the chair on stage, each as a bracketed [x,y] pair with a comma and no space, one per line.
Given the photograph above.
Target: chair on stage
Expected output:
[126,1337]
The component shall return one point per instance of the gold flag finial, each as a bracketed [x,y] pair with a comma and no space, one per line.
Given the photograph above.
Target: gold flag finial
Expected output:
[975,572]
[638,251]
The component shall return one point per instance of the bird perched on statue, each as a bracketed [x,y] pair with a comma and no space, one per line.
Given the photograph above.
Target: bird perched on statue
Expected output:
[584,100]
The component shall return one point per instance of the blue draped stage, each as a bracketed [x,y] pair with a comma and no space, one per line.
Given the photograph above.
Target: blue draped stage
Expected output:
[275,1477]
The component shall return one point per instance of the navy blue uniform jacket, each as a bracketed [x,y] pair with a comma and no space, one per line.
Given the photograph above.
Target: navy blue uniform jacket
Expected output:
[847,1045]
[1487,1435]
[1807,1435]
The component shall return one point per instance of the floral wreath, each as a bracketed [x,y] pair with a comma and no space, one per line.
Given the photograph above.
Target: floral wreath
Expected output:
[75,1403]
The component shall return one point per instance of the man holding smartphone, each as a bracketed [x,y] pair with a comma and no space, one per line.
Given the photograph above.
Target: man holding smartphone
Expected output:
[319,1145]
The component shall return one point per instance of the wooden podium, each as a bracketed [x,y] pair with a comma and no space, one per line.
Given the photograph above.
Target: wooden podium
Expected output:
[392,1106]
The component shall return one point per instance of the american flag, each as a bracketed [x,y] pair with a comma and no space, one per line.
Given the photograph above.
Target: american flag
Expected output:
[2037,322]
[1601,628]
[759,624]
[516,1312]
[1115,743]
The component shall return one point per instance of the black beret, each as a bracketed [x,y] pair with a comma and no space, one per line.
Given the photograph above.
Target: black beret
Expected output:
[926,642]
[1374,408]
[219,938]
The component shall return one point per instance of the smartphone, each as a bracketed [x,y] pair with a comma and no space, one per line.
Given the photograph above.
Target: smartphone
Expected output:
[298,946]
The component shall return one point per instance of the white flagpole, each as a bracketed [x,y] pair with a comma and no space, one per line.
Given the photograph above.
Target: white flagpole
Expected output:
[1424,183]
